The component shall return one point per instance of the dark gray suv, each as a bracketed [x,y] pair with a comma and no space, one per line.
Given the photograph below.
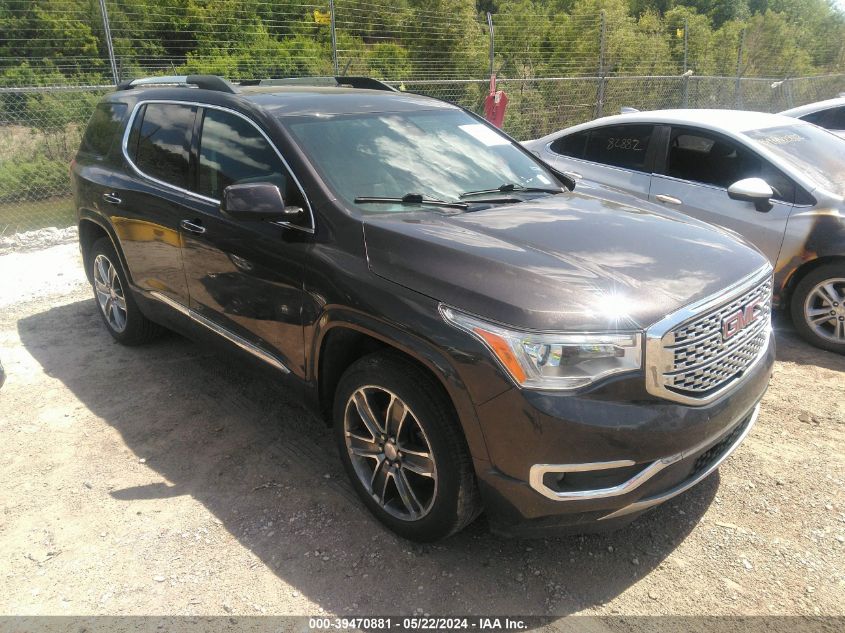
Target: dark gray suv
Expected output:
[479,334]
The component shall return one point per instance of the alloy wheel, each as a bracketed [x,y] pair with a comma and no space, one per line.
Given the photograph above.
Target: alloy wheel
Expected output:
[390,453]
[824,309]
[110,293]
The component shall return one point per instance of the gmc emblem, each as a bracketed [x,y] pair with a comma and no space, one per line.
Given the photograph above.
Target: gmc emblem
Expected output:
[741,319]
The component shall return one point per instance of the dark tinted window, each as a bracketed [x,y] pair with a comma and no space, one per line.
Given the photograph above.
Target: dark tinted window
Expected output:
[233,151]
[830,119]
[161,138]
[572,145]
[103,128]
[620,145]
[710,159]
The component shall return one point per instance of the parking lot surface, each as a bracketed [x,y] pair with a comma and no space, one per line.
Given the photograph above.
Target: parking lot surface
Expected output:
[168,479]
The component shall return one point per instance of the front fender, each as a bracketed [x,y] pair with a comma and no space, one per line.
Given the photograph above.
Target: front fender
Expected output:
[415,346]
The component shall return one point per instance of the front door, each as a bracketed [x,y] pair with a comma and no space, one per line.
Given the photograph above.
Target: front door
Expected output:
[244,277]
[701,165]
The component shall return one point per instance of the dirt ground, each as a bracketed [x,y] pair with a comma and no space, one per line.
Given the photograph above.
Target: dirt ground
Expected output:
[170,480]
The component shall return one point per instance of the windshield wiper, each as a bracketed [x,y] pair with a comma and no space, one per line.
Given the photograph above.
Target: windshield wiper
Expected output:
[509,187]
[412,198]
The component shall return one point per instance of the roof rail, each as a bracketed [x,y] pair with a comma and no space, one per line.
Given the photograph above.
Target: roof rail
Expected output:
[339,81]
[205,82]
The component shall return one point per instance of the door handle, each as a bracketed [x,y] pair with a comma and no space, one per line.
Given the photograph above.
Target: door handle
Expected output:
[573,174]
[111,198]
[668,199]
[192,226]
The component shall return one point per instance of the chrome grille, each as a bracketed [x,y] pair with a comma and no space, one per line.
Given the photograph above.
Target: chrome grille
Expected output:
[693,361]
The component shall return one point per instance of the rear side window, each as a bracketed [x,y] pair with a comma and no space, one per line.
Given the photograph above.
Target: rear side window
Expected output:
[572,145]
[830,119]
[102,129]
[622,146]
[161,141]
[233,151]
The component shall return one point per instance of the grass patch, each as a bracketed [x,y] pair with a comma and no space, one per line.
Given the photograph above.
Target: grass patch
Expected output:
[16,217]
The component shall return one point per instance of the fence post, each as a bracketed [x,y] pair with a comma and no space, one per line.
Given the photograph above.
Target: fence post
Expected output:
[492,44]
[686,63]
[738,88]
[107,32]
[602,38]
[334,37]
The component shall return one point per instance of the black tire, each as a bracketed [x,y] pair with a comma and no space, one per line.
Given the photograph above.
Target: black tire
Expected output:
[453,500]
[800,298]
[136,328]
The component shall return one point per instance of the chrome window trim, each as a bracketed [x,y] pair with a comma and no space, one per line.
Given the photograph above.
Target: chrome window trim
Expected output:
[538,471]
[654,338]
[219,329]
[125,148]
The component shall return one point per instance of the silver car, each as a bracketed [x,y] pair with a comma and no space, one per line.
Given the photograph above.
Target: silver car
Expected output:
[829,114]
[777,181]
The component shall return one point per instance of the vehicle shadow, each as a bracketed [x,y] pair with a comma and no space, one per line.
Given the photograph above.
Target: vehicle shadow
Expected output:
[228,436]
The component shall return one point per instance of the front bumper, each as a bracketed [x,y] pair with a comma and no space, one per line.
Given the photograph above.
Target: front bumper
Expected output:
[626,451]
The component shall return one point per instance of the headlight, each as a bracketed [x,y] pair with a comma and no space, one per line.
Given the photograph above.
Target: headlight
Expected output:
[553,360]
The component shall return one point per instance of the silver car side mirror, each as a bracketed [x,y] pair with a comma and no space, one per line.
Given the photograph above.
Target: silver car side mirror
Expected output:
[755,190]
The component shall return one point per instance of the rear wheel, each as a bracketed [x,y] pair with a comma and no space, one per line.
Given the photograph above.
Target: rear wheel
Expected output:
[117,307]
[403,449]
[818,307]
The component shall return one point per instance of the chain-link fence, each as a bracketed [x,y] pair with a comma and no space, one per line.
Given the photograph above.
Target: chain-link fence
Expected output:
[58,57]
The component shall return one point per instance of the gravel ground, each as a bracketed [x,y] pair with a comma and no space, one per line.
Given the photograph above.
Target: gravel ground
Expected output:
[171,480]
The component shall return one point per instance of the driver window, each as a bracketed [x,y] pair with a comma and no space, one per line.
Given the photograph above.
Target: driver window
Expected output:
[233,151]
[710,159]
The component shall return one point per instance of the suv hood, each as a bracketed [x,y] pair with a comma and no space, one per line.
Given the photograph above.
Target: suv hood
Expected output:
[567,262]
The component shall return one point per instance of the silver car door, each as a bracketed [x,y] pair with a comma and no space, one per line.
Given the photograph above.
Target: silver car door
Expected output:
[614,155]
[699,167]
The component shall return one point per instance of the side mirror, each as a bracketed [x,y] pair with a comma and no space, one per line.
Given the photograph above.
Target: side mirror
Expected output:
[256,201]
[755,190]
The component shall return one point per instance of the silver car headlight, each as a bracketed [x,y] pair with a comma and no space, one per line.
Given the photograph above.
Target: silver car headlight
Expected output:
[558,361]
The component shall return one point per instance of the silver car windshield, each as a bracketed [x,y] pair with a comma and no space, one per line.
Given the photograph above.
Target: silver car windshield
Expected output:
[437,154]
[816,153]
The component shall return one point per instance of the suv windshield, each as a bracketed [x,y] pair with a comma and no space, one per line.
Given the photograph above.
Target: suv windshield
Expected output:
[817,153]
[436,154]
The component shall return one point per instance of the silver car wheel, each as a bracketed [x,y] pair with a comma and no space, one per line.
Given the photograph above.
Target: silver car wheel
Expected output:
[390,453]
[824,309]
[109,293]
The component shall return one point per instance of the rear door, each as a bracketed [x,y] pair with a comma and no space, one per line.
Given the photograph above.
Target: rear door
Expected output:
[244,277]
[693,177]
[148,203]
[619,156]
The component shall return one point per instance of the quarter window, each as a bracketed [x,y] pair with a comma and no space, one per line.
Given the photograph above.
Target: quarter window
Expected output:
[233,151]
[161,136]
[102,129]
[622,146]
[572,145]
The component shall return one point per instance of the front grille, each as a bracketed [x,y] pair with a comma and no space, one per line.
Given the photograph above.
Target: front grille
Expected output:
[695,360]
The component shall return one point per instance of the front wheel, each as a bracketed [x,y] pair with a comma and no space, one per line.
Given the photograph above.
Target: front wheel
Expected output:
[403,449]
[818,307]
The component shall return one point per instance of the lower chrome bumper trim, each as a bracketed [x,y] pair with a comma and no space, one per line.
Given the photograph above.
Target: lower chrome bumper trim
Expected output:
[649,502]
[538,471]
